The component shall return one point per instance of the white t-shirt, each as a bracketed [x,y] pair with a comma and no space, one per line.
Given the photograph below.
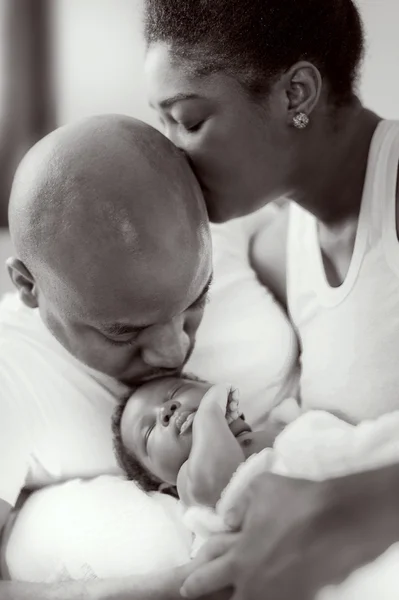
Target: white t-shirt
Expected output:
[55,413]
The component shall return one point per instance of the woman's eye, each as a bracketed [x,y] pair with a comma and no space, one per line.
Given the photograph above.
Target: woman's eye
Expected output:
[194,127]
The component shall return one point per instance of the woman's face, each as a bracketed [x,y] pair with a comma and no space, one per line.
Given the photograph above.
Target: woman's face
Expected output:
[237,147]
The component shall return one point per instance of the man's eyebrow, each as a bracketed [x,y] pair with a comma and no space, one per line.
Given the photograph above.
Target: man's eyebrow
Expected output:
[168,102]
[204,291]
[123,329]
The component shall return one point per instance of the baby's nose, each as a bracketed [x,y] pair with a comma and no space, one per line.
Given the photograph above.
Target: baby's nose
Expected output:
[167,411]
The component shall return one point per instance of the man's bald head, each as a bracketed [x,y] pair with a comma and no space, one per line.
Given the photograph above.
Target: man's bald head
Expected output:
[109,223]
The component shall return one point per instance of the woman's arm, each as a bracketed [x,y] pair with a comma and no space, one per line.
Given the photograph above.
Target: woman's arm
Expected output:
[215,453]
[298,537]
[267,253]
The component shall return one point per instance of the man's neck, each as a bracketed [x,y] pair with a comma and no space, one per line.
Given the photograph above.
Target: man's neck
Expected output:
[331,182]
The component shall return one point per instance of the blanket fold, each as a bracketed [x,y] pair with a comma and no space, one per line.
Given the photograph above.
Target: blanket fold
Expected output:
[319,446]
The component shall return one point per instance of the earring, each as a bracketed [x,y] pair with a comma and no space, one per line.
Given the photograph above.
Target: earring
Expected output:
[301,120]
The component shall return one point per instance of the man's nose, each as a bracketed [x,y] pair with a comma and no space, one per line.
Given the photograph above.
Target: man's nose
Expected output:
[167,411]
[167,345]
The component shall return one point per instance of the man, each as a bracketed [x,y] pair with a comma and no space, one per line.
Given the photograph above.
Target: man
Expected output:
[112,267]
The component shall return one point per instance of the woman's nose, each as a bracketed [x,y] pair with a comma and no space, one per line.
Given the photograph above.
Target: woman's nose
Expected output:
[167,411]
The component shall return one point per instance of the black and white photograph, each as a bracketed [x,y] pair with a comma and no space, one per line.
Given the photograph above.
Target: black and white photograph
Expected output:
[199,299]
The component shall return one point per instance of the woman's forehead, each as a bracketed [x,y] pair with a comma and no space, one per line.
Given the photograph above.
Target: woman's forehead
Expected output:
[171,79]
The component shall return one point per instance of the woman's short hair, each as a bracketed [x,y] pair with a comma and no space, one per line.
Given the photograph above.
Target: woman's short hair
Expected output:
[257,40]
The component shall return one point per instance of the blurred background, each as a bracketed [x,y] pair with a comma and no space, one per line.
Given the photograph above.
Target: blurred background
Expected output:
[62,60]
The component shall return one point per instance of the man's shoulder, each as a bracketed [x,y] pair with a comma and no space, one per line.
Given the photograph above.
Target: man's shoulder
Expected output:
[18,323]
[24,341]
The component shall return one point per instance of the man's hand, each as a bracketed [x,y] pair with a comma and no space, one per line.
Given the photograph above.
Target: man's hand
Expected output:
[297,536]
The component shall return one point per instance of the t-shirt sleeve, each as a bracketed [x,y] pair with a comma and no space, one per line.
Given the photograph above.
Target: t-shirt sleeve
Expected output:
[15,437]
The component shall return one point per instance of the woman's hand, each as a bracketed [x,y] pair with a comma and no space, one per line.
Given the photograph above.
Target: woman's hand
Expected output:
[296,536]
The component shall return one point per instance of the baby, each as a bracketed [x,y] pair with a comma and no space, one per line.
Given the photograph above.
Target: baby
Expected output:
[185,436]
[188,437]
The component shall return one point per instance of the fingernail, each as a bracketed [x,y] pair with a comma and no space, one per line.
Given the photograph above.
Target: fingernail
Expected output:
[235,395]
[230,520]
[183,593]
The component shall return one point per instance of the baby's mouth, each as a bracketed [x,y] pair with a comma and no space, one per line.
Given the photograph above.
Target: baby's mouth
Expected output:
[184,421]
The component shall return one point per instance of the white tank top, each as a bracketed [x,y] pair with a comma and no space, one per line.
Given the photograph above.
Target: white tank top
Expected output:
[349,335]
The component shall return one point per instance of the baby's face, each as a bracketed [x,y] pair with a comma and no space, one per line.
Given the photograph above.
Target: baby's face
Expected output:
[156,424]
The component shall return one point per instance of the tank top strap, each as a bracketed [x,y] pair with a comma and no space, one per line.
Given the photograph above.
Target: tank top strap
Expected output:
[378,210]
[385,193]
[376,226]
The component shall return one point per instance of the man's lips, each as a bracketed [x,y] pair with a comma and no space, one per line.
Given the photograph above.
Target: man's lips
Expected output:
[152,375]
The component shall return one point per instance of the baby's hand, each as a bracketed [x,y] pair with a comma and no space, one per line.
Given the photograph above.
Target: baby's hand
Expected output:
[226,398]
[233,406]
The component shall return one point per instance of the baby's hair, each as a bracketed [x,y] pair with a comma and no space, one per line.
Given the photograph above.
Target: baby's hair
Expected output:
[257,40]
[127,460]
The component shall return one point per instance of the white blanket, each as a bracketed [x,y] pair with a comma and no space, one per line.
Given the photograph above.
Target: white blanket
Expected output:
[318,446]
[101,528]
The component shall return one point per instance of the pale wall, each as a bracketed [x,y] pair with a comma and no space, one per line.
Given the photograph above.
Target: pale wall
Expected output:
[99,58]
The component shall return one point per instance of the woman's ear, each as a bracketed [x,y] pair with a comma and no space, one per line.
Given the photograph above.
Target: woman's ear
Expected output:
[303,88]
[23,281]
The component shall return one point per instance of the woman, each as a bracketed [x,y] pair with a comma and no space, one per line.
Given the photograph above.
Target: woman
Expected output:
[261,96]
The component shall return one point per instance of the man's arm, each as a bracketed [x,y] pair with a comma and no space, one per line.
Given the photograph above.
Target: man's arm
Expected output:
[159,586]
[165,586]
[298,536]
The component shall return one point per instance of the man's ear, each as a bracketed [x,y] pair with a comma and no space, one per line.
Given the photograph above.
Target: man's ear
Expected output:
[23,281]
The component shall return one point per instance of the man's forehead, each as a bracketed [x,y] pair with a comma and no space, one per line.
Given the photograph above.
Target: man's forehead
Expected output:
[117,313]
[141,320]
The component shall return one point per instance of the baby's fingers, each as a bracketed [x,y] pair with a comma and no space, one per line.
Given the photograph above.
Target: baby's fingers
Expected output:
[217,395]
[233,406]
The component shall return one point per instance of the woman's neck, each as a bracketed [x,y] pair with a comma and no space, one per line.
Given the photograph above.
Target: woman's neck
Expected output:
[331,177]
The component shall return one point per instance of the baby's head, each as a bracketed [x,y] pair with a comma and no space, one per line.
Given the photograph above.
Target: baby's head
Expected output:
[152,429]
